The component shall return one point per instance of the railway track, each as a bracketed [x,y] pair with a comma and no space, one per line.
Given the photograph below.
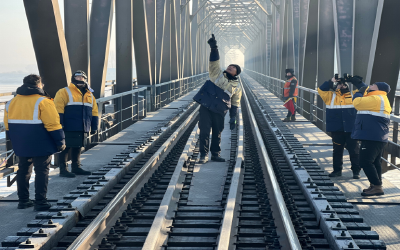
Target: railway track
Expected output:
[274,196]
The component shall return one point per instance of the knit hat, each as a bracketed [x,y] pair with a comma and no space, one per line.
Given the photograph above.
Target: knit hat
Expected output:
[383,86]
[289,71]
[238,70]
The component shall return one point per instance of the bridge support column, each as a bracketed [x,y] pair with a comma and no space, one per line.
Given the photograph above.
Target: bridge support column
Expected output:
[76,17]
[100,35]
[124,57]
[49,43]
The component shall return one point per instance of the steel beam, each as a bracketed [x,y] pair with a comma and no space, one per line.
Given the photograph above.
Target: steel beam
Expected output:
[165,70]
[326,51]
[384,59]
[304,4]
[174,41]
[100,35]
[310,55]
[343,20]
[160,25]
[141,44]
[49,43]
[364,23]
[76,18]
[124,55]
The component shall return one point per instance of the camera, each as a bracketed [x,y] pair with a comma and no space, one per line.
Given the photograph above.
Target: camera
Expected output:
[346,78]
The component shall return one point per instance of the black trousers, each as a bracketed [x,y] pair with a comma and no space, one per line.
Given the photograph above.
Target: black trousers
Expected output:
[343,140]
[370,160]
[42,166]
[210,120]
[289,114]
[75,156]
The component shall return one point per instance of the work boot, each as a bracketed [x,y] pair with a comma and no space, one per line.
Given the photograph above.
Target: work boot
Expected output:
[370,187]
[216,157]
[335,174]
[293,118]
[375,190]
[76,169]
[356,175]
[203,159]
[42,205]
[64,171]
[287,119]
[22,204]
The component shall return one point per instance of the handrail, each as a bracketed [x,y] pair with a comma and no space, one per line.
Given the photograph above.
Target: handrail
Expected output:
[392,145]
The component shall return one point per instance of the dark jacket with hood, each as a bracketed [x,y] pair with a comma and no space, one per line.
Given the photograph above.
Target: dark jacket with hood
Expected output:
[33,123]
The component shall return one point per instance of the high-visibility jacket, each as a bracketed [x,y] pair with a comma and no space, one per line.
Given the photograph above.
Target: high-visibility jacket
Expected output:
[340,112]
[33,125]
[291,83]
[77,112]
[373,116]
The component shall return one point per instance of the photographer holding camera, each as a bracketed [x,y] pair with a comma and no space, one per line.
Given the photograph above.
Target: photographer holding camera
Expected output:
[372,129]
[340,117]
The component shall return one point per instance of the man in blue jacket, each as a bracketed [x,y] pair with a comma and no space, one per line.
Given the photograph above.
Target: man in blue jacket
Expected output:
[372,129]
[78,112]
[218,95]
[340,116]
[33,125]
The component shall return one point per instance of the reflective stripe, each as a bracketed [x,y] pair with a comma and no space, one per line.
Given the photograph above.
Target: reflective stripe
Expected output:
[71,99]
[219,77]
[380,113]
[36,119]
[25,121]
[339,106]
[333,106]
[229,93]
[8,104]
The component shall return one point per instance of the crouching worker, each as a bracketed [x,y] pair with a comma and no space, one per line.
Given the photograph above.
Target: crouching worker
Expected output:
[372,129]
[33,125]
[79,116]
[340,117]
[218,95]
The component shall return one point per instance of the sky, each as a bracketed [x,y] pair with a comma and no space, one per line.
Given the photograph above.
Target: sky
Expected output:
[16,50]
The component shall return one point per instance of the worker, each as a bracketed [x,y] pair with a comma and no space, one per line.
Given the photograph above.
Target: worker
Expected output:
[218,95]
[372,129]
[340,117]
[34,128]
[79,116]
[290,93]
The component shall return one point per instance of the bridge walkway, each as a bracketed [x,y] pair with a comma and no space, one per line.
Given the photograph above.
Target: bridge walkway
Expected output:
[381,213]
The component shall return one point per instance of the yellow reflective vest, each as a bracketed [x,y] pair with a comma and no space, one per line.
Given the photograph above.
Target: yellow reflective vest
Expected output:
[33,125]
[373,116]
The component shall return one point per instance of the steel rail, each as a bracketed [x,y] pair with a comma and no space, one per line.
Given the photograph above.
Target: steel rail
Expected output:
[158,231]
[283,212]
[224,241]
[87,237]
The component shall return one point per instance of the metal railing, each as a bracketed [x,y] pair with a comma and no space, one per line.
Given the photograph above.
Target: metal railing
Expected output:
[313,109]
[116,113]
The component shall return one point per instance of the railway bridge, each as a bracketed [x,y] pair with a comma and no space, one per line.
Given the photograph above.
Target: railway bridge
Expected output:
[147,189]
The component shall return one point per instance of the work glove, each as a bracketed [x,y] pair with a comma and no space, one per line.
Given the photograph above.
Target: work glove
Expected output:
[232,123]
[61,148]
[212,42]
[93,132]
[331,84]
[356,80]
[362,90]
